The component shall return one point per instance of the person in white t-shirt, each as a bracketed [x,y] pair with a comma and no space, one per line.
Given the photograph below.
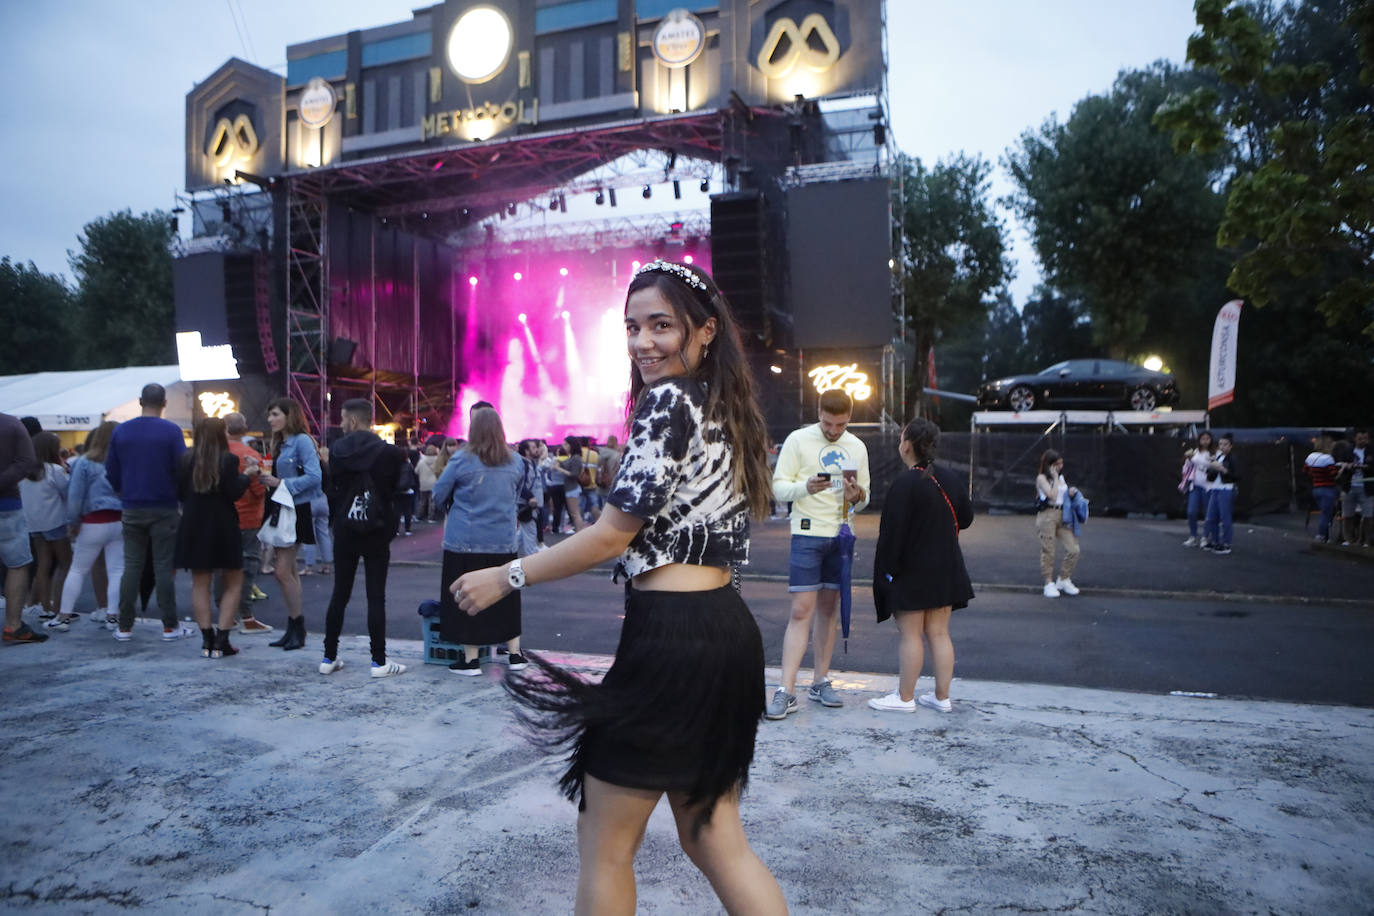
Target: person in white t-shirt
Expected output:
[1199,487]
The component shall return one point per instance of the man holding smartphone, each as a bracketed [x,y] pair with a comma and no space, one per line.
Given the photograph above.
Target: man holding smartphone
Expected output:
[822,470]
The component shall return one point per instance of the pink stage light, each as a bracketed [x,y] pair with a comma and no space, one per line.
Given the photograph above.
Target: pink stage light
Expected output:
[472,281]
[566,316]
[634,265]
[687,259]
[521,318]
[562,271]
[519,276]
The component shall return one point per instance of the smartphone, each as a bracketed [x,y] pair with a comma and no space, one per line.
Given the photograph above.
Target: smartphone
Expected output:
[824,476]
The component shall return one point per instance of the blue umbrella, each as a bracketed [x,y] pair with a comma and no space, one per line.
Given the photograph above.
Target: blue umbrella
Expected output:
[845,542]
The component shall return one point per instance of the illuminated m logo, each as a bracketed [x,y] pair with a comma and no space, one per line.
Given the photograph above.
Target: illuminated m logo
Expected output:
[232,140]
[789,45]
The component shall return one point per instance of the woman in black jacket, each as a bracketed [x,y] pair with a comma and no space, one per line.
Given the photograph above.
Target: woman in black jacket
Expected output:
[918,568]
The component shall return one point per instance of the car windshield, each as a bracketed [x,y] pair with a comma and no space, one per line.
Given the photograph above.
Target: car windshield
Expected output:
[1054,370]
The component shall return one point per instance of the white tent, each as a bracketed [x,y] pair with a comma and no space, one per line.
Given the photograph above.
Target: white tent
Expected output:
[81,400]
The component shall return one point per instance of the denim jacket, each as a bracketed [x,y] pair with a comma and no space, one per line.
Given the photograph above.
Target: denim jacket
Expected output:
[482,518]
[299,449]
[89,490]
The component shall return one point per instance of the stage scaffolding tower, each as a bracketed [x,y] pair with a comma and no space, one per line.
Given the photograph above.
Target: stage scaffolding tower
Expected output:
[307,302]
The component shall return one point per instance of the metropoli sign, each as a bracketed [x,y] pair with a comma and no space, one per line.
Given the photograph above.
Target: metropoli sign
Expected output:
[497,117]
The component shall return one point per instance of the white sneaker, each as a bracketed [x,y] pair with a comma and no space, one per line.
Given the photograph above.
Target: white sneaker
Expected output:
[329,667]
[1191,542]
[1051,590]
[123,635]
[176,632]
[1066,587]
[892,703]
[387,670]
[928,700]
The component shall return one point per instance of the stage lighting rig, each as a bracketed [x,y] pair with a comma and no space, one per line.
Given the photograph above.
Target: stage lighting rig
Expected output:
[600,197]
[705,185]
[647,192]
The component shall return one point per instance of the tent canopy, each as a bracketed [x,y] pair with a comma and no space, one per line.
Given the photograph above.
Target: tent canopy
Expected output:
[82,399]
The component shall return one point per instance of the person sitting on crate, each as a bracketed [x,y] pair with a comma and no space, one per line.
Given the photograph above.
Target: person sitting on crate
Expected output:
[365,474]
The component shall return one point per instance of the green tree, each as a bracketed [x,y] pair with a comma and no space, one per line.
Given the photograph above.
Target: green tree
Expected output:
[1121,224]
[989,347]
[125,312]
[35,311]
[1292,103]
[1056,328]
[953,252]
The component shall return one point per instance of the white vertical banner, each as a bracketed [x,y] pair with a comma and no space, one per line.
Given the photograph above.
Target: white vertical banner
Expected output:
[1221,375]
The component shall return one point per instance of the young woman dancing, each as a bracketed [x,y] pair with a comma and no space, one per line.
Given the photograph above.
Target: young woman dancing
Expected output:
[679,708]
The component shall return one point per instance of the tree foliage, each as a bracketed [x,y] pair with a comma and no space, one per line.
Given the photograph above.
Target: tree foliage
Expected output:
[35,311]
[1293,105]
[1123,227]
[953,251]
[125,313]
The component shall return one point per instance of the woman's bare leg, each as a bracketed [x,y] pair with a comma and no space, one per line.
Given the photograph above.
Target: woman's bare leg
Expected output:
[229,601]
[722,852]
[289,578]
[42,573]
[941,649]
[609,832]
[910,653]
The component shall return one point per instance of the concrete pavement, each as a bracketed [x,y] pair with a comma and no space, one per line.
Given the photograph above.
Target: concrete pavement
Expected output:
[142,777]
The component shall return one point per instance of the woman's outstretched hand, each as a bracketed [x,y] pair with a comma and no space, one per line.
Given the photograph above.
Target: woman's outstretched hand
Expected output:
[480,589]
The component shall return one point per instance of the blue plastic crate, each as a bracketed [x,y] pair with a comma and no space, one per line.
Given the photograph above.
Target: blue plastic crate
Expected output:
[437,652]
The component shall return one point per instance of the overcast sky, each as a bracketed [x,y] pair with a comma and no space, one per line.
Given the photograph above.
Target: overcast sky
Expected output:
[93,109]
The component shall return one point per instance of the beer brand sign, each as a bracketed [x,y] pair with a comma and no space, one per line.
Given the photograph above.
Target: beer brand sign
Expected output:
[479,122]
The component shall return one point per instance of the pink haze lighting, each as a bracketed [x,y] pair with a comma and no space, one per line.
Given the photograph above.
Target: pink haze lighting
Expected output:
[522,318]
[634,265]
[472,281]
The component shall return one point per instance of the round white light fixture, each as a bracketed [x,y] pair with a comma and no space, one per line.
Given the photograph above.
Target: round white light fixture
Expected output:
[1153,363]
[479,44]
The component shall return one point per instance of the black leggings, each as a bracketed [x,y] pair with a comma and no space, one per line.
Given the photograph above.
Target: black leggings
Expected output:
[375,552]
[559,500]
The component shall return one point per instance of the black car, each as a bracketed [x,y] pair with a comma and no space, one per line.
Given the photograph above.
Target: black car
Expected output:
[1101,384]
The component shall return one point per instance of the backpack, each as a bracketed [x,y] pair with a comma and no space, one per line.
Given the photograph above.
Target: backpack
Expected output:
[604,475]
[408,479]
[363,511]
[587,479]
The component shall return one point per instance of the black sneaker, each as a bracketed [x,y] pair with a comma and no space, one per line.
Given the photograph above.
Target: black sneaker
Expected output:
[24,634]
[517,661]
[471,668]
[1222,550]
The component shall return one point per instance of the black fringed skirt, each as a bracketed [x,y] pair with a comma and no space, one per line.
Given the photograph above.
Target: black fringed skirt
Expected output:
[677,711]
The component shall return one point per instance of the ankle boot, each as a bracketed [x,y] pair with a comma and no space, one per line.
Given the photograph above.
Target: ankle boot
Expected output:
[222,648]
[295,633]
[207,641]
[285,637]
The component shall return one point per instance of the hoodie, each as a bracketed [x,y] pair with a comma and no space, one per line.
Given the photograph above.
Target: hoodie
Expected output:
[359,452]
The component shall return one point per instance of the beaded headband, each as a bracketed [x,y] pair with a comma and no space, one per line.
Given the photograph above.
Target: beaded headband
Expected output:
[682,273]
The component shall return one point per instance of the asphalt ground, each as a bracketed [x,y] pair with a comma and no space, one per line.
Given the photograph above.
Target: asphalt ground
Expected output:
[143,777]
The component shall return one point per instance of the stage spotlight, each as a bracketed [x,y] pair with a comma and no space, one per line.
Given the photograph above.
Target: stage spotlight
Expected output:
[705,185]
[677,189]
[520,276]
[511,209]
[612,193]
[647,192]
[634,265]
[879,134]
[562,271]
[472,281]
[562,203]
[566,316]
[522,318]
[553,203]
[600,198]
[687,259]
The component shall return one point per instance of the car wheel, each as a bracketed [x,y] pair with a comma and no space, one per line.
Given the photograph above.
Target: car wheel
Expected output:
[1021,398]
[1143,399]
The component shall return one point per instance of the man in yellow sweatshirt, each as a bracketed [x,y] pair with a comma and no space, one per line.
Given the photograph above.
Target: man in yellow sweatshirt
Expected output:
[821,469]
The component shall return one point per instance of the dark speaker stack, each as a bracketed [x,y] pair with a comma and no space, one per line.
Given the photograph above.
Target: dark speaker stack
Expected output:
[738,262]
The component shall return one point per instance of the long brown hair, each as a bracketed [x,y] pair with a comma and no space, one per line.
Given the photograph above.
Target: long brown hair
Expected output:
[295,423]
[48,449]
[1048,460]
[487,438]
[444,455]
[208,446]
[98,441]
[730,397]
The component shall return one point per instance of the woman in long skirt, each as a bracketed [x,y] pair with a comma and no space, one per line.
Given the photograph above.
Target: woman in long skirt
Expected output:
[679,708]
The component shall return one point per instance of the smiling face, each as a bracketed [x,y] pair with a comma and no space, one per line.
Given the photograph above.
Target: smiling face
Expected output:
[660,343]
[276,420]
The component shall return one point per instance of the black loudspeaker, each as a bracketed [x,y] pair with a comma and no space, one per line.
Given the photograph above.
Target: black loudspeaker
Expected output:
[341,351]
[738,263]
[227,298]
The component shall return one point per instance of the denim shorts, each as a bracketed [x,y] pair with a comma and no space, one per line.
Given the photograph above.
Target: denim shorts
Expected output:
[53,534]
[814,564]
[14,539]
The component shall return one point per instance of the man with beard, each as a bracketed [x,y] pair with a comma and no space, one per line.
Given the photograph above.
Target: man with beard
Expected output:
[821,470]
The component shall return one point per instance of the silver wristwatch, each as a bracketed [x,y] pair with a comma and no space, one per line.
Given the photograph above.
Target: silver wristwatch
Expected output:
[515,575]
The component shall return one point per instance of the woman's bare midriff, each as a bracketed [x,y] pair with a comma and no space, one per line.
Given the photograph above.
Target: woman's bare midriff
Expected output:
[682,577]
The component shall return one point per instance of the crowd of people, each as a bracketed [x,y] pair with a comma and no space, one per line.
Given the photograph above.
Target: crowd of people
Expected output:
[677,713]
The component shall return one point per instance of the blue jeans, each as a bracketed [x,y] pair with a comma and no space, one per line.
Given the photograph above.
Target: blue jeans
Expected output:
[1325,498]
[1219,516]
[322,551]
[813,564]
[1197,508]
